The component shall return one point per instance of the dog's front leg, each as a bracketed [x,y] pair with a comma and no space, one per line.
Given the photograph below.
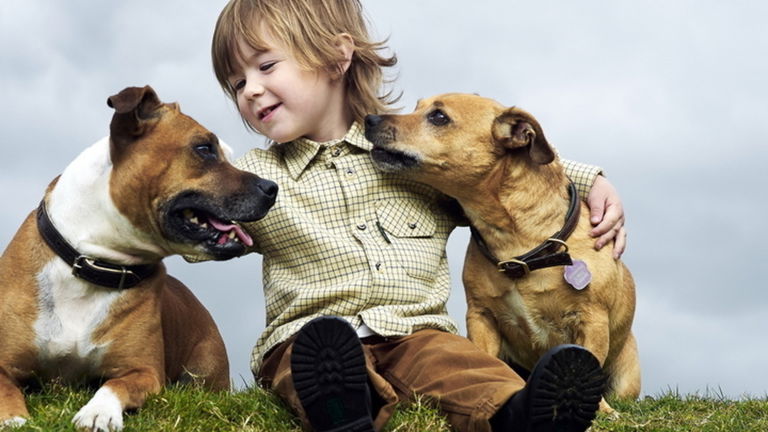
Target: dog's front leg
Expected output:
[13,410]
[483,330]
[596,336]
[104,412]
[596,340]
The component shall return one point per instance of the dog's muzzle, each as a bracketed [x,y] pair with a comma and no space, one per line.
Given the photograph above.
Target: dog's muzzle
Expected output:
[212,222]
[382,135]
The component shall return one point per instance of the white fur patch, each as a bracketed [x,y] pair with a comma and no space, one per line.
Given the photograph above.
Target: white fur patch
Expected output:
[69,311]
[104,412]
[13,422]
[81,208]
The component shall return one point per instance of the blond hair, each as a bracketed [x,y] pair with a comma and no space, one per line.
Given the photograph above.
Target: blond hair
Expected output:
[309,29]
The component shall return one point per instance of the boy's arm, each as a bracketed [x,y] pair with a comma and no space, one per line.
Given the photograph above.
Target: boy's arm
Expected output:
[606,211]
[583,175]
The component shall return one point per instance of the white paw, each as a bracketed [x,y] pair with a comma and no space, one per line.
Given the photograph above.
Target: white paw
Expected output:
[103,413]
[12,422]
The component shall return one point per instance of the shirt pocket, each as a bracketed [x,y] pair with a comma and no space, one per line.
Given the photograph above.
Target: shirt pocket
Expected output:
[409,226]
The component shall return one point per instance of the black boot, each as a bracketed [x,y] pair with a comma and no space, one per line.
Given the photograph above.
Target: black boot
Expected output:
[562,394]
[328,368]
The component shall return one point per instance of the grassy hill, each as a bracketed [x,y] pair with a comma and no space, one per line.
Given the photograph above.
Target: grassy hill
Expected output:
[191,410]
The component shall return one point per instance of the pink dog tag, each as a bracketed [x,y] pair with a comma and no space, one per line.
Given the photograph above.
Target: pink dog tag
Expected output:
[578,275]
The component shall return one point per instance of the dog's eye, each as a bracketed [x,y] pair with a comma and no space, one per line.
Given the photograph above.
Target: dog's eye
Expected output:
[438,118]
[206,151]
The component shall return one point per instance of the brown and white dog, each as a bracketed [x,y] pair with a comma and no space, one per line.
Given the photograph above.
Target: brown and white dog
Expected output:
[523,294]
[83,292]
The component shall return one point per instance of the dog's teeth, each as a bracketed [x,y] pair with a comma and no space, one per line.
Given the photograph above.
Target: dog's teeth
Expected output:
[194,220]
[231,234]
[204,225]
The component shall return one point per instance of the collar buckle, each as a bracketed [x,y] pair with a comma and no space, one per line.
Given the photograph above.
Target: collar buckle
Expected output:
[84,261]
[77,266]
[560,242]
[502,265]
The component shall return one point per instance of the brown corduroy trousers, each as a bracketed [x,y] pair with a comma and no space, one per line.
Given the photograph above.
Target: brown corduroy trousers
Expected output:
[467,384]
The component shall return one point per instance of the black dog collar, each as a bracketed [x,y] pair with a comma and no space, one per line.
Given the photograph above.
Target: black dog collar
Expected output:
[91,269]
[544,255]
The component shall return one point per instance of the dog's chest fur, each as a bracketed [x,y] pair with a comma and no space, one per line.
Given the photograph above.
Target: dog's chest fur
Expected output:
[532,325]
[69,312]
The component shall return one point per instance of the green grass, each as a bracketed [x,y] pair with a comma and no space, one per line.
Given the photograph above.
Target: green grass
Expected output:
[190,410]
[694,413]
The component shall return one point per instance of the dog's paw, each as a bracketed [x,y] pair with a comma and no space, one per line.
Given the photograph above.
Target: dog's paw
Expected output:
[103,413]
[608,410]
[12,422]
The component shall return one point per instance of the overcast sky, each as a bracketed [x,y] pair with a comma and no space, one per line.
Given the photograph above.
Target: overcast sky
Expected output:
[669,97]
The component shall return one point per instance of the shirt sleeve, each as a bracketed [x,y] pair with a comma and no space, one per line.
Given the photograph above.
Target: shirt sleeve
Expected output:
[583,175]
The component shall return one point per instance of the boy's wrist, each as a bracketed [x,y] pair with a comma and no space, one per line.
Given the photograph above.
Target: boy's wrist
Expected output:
[583,175]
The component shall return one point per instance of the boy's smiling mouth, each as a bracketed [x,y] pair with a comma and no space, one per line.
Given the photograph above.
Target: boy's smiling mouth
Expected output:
[265,112]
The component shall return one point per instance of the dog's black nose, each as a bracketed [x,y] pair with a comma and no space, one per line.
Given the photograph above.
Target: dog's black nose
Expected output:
[372,121]
[268,187]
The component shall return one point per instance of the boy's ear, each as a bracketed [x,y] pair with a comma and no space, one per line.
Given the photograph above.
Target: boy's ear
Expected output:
[346,46]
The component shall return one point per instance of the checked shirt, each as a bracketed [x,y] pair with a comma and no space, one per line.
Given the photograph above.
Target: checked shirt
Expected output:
[346,239]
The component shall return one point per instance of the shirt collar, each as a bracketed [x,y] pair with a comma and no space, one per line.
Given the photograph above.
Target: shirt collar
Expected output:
[299,153]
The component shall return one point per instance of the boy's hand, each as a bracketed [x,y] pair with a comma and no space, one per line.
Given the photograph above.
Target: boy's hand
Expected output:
[607,216]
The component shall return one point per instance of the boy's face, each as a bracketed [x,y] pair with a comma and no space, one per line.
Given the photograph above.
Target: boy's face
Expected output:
[283,101]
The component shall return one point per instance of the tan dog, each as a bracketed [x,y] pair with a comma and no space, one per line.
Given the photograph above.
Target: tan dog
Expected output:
[497,164]
[83,292]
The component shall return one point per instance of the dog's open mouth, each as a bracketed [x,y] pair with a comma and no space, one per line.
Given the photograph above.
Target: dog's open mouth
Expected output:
[390,160]
[213,229]
[208,227]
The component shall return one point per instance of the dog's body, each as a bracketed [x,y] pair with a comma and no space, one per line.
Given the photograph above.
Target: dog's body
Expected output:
[129,200]
[497,164]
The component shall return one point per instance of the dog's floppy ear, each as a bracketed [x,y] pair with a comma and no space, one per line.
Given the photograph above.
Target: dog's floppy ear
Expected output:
[515,128]
[134,108]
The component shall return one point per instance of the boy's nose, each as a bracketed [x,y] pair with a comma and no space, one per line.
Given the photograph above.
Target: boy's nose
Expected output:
[253,89]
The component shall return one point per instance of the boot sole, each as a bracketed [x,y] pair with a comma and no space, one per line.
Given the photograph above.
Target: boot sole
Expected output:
[566,389]
[328,368]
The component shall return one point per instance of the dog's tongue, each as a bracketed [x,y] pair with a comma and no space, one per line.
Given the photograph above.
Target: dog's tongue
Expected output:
[226,228]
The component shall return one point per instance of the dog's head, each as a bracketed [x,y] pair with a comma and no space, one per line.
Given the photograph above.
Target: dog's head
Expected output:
[452,141]
[172,178]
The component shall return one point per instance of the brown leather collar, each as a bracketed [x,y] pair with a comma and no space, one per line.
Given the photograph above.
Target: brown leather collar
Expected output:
[547,254]
[91,269]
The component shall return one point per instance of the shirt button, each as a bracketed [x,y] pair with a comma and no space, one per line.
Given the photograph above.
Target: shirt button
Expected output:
[350,171]
[362,226]
[412,225]
[335,152]
[379,267]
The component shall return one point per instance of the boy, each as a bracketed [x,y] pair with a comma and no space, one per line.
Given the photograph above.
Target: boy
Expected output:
[355,271]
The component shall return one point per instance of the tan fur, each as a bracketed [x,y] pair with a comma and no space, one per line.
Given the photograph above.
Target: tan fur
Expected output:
[156,332]
[492,160]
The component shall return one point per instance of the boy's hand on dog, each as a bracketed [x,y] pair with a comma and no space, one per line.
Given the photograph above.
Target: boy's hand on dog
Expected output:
[607,215]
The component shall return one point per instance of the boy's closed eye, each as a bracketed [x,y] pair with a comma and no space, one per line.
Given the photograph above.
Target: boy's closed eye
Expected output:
[267,66]
[237,84]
